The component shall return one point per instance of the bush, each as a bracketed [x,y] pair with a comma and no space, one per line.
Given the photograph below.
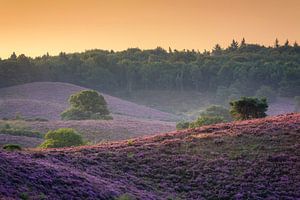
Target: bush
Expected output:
[63,137]
[182,125]
[217,111]
[12,147]
[206,120]
[249,108]
[87,104]
[267,92]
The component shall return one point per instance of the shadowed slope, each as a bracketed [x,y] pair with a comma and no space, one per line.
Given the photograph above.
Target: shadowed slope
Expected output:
[256,159]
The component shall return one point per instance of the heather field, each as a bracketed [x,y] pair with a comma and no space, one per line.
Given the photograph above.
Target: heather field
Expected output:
[254,159]
[48,99]
[93,131]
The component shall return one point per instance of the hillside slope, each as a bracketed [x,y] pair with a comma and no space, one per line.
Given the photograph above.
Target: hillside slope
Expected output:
[256,159]
[94,131]
[49,99]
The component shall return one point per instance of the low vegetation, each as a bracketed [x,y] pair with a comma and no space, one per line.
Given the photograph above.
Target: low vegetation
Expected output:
[63,137]
[212,115]
[8,130]
[206,120]
[12,147]
[87,104]
[182,125]
[241,109]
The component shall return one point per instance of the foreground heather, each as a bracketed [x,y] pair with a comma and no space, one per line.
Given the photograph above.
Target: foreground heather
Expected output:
[258,159]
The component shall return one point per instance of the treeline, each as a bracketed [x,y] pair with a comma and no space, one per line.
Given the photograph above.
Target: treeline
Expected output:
[241,68]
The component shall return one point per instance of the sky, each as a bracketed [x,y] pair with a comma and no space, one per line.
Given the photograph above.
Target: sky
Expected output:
[35,27]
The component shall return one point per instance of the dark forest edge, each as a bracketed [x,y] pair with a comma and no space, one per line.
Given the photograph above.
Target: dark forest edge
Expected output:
[240,69]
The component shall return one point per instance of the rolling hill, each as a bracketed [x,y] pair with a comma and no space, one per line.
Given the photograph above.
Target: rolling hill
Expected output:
[254,159]
[46,100]
[49,99]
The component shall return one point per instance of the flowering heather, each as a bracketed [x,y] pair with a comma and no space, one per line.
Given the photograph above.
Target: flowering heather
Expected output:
[121,127]
[255,159]
[49,99]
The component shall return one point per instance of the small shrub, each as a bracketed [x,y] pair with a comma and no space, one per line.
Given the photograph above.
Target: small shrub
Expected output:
[7,126]
[24,196]
[182,125]
[130,142]
[63,137]
[18,116]
[12,147]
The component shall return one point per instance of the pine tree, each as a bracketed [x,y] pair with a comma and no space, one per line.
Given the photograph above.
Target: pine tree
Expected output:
[287,43]
[276,45]
[217,50]
[243,43]
[234,45]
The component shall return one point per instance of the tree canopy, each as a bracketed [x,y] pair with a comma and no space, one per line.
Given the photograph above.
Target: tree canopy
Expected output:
[87,104]
[249,108]
[241,66]
[63,137]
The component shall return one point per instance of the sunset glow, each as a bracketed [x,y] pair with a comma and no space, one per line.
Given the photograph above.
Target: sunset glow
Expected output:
[34,27]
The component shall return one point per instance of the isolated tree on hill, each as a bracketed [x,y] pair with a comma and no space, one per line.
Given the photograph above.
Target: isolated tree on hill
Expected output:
[90,101]
[87,104]
[249,108]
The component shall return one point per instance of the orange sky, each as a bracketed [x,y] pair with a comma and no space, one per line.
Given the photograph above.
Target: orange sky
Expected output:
[35,27]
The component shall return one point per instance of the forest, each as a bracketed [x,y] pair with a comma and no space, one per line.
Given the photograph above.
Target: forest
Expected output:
[240,68]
